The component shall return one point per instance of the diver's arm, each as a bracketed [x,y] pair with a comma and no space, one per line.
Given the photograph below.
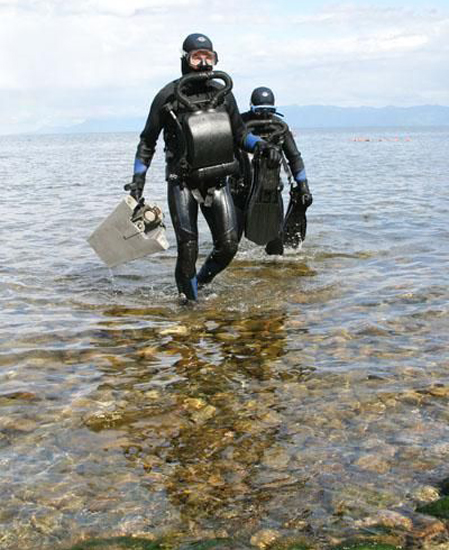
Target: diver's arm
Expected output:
[243,138]
[147,144]
[239,129]
[251,143]
[294,157]
[246,116]
[297,168]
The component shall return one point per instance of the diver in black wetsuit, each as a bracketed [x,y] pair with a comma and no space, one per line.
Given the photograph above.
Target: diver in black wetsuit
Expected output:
[202,129]
[261,119]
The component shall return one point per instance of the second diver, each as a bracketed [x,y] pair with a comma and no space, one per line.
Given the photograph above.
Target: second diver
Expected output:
[257,191]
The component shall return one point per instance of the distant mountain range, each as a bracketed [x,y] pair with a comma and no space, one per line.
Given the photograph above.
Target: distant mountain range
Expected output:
[310,116]
[318,116]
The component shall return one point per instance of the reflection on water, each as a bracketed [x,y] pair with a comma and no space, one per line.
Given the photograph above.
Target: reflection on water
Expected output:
[305,395]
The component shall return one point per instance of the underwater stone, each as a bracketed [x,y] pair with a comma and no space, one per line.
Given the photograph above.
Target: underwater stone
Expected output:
[373,463]
[148,352]
[264,538]
[425,528]
[276,457]
[441,449]
[439,391]
[175,330]
[46,521]
[426,493]
[204,414]
[387,518]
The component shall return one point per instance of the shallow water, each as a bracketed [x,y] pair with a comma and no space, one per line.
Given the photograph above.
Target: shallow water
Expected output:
[304,394]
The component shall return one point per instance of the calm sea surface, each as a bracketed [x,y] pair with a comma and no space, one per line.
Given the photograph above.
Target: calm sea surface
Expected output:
[306,394]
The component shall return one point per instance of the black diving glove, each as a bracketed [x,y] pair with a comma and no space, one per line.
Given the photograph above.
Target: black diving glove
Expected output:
[302,192]
[136,186]
[270,152]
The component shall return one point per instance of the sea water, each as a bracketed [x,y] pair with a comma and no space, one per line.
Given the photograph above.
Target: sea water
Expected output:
[303,394]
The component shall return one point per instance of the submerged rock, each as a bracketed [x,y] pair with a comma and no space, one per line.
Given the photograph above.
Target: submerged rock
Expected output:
[373,463]
[426,528]
[264,538]
[426,494]
[175,330]
[387,518]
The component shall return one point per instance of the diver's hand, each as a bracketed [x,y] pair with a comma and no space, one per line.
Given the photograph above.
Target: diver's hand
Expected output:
[303,193]
[270,152]
[307,199]
[136,186]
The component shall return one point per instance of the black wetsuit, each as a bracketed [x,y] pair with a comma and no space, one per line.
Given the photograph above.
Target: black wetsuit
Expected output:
[240,186]
[220,214]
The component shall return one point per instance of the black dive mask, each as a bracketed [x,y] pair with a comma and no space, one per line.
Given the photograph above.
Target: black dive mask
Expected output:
[263,111]
[202,59]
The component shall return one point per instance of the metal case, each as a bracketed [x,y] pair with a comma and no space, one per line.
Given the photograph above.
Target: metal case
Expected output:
[118,239]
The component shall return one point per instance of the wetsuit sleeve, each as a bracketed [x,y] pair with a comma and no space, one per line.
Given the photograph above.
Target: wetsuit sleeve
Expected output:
[294,157]
[246,116]
[149,136]
[242,137]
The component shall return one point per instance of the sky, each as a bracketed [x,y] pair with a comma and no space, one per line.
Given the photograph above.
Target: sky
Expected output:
[66,61]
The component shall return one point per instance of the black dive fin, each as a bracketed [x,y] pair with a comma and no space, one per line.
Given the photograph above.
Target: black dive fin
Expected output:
[295,224]
[264,211]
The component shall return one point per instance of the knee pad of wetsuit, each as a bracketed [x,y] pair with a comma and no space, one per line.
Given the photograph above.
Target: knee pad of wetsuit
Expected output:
[217,261]
[227,249]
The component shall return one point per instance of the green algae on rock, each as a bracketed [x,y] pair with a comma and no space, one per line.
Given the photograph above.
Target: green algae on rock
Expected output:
[118,543]
[291,543]
[438,509]
[221,543]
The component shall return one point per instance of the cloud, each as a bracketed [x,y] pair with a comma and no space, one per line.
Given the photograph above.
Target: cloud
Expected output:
[65,59]
[351,55]
[117,8]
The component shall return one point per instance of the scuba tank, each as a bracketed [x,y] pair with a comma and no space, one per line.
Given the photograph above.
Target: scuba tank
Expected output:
[264,208]
[205,132]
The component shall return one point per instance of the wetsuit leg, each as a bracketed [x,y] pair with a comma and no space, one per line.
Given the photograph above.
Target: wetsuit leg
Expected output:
[239,203]
[222,221]
[184,214]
